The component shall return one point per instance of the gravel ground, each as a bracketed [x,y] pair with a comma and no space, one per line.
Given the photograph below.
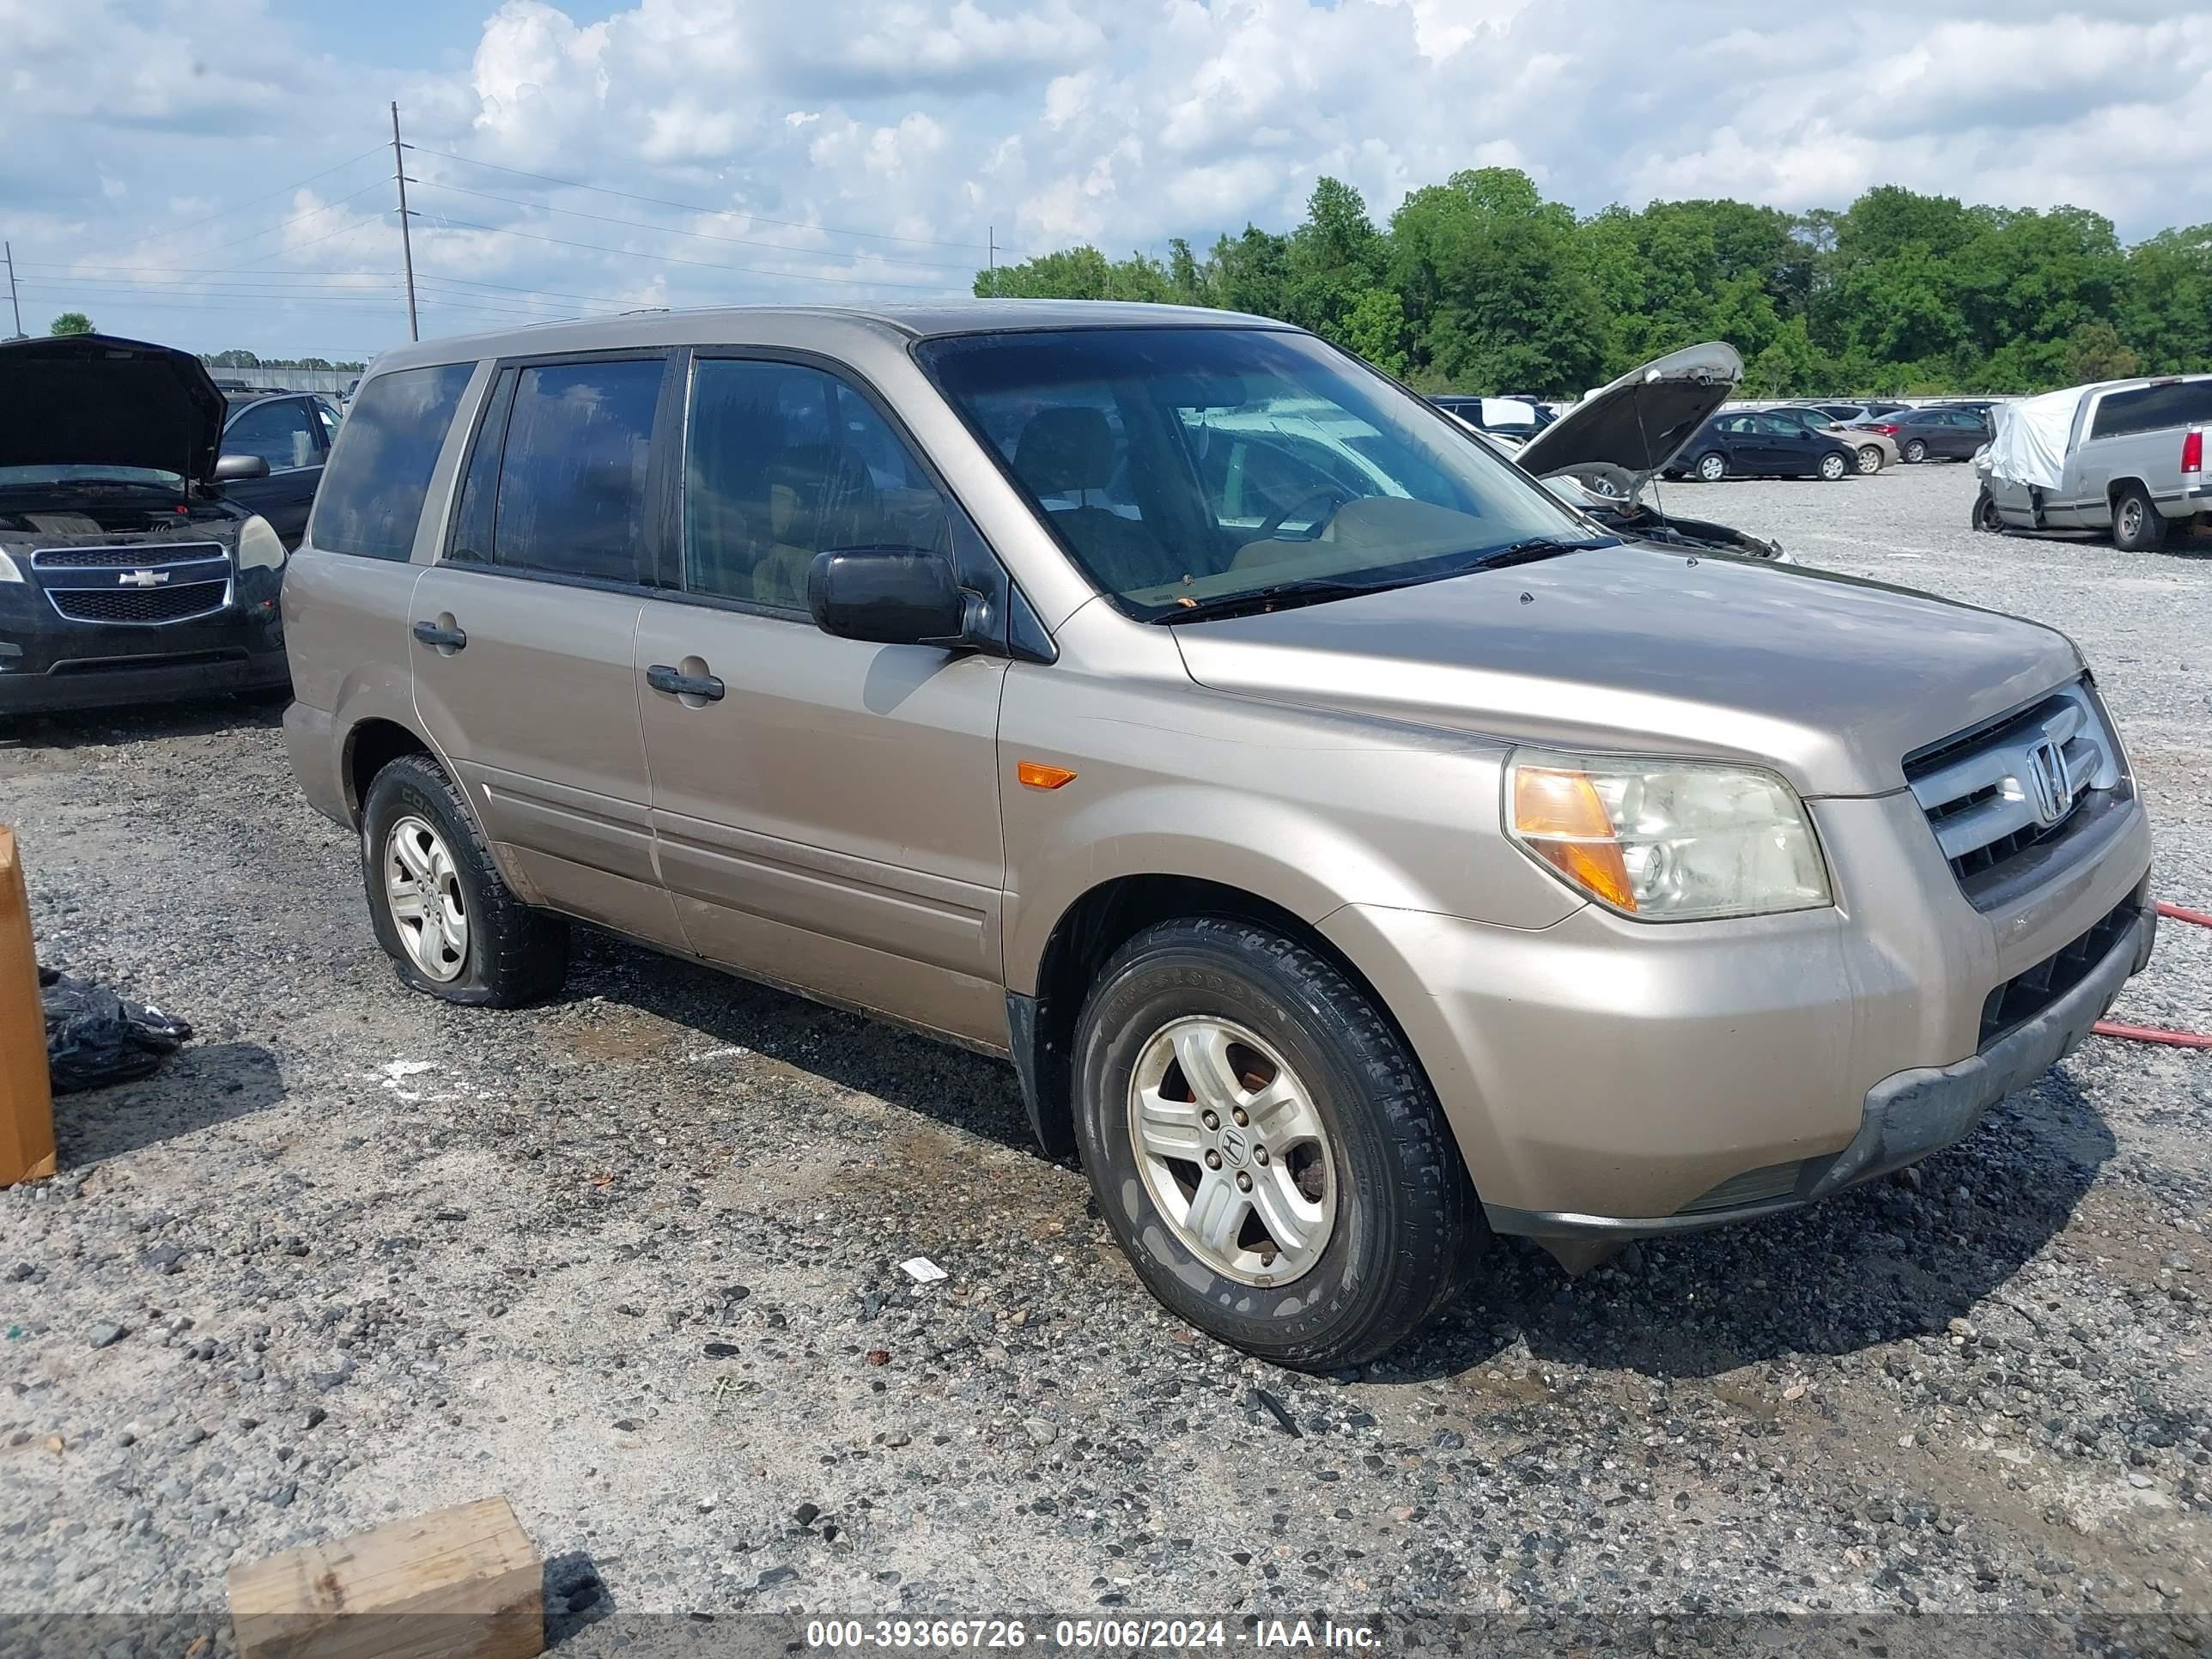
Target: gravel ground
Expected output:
[630,1258]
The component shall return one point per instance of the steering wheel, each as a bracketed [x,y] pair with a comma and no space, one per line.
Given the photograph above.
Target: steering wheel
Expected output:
[1329,500]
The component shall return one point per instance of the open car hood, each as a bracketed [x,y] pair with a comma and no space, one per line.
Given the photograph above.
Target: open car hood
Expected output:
[1639,421]
[95,400]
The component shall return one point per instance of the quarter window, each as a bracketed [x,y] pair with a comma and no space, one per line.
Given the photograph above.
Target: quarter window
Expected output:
[783,461]
[572,481]
[371,496]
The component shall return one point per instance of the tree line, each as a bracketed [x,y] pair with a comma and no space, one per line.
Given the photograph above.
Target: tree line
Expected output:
[1479,284]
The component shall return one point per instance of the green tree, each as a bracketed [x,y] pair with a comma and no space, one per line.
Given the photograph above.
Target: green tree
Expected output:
[71,322]
[1480,284]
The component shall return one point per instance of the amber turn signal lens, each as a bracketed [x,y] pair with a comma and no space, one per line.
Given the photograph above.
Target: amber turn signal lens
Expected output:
[1034,774]
[1558,815]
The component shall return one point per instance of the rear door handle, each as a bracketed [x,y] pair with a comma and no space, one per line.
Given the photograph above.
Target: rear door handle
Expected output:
[451,639]
[662,678]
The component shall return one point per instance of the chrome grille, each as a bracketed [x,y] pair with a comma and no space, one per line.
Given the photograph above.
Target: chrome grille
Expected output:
[147,555]
[1994,794]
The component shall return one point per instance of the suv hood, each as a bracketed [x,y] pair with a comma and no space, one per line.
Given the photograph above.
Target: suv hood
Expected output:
[95,400]
[1639,421]
[1830,680]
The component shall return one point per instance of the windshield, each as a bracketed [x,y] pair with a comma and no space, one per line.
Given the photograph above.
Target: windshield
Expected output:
[1181,466]
[17,478]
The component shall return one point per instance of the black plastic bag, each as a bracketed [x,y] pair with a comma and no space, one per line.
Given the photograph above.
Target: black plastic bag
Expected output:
[94,1037]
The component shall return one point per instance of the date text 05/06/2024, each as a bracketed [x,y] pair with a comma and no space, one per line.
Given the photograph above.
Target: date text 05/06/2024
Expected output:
[1089,1635]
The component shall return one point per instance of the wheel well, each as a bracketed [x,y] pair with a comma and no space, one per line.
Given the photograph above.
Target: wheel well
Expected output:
[2119,487]
[1085,938]
[370,747]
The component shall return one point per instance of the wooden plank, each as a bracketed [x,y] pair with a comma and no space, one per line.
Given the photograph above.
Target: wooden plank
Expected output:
[457,1583]
[26,1101]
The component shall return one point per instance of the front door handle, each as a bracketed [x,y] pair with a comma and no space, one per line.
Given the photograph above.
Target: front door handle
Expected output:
[446,639]
[705,687]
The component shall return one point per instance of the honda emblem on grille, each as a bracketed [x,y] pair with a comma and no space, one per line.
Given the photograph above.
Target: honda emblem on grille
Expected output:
[2049,784]
[143,578]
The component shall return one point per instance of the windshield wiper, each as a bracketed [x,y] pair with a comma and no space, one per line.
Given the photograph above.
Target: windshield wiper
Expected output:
[1283,595]
[1279,596]
[1535,548]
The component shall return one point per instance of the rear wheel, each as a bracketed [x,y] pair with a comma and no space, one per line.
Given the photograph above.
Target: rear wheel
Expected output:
[2137,524]
[1266,1150]
[451,925]
[1833,466]
[1713,466]
[1869,460]
[1916,451]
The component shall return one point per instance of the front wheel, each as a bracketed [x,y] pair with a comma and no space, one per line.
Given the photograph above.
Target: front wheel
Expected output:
[1266,1149]
[1869,460]
[1833,466]
[1713,467]
[438,904]
[2137,524]
[1916,451]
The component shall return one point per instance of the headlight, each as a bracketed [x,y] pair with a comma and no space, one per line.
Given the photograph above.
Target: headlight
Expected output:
[1667,841]
[9,570]
[259,547]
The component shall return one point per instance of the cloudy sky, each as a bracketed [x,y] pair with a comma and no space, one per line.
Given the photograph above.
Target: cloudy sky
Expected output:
[218,173]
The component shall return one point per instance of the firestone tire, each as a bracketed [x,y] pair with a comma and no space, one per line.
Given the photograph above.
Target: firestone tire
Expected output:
[509,953]
[1403,1226]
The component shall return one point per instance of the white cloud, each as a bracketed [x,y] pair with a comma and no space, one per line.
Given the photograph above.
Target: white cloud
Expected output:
[1121,121]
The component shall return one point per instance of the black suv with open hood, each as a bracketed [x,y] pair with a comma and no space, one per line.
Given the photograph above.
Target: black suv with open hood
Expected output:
[124,575]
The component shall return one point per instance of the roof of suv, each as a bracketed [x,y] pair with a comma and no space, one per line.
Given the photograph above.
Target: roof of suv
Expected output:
[769,325]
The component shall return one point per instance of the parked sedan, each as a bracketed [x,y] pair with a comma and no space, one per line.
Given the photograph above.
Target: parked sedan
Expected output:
[1758,443]
[292,431]
[1923,434]
[1874,451]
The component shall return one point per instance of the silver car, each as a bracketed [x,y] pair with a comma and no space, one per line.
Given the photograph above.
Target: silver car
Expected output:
[2125,457]
[1353,860]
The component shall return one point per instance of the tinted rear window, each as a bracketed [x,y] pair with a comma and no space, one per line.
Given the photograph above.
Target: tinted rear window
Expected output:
[372,494]
[2154,409]
[571,496]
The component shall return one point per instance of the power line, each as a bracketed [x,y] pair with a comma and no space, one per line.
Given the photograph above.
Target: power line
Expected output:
[217,247]
[225,213]
[694,207]
[509,288]
[670,230]
[76,268]
[703,265]
[342,230]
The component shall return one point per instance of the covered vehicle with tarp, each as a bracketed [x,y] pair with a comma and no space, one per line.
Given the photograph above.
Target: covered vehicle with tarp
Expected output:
[2123,457]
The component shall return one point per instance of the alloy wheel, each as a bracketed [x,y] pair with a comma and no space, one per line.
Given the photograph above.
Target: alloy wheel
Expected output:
[1869,461]
[1234,1153]
[422,891]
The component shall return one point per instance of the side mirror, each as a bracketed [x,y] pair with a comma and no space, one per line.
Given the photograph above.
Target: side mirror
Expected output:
[887,595]
[231,468]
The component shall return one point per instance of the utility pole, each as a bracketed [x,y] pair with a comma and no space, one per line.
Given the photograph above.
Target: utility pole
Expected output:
[990,244]
[406,242]
[15,304]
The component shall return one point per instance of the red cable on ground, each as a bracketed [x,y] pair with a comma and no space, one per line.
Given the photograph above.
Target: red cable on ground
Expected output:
[2152,1033]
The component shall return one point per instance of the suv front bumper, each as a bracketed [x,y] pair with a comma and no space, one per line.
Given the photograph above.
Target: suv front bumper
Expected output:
[1606,1077]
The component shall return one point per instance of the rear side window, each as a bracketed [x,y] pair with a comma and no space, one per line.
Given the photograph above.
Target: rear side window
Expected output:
[2154,409]
[783,462]
[572,479]
[372,495]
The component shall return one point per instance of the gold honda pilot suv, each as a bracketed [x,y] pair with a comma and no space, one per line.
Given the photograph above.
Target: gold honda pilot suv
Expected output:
[1357,849]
